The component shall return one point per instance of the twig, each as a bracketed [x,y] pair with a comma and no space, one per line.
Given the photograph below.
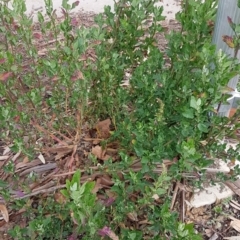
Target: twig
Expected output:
[52,189]
[174,196]
[182,203]
[39,169]
[47,185]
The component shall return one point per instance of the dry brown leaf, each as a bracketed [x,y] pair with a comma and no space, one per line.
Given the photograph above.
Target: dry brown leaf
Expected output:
[113,236]
[100,153]
[78,75]
[59,198]
[60,149]
[4,212]
[198,211]
[20,165]
[97,186]
[96,141]
[73,218]
[208,232]
[233,187]
[144,222]
[14,158]
[25,160]
[234,204]
[155,196]
[6,150]
[41,158]
[27,165]
[235,223]
[133,216]
[103,128]
[106,180]
[233,238]
[214,237]
[2,158]
[106,231]
[110,194]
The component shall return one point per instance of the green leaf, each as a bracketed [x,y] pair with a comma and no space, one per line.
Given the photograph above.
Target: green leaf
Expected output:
[75,4]
[65,193]
[68,184]
[76,196]
[188,113]
[89,187]
[193,103]
[40,17]
[76,178]
[74,187]
[199,102]
[160,191]
[202,127]
[2,183]
[237,29]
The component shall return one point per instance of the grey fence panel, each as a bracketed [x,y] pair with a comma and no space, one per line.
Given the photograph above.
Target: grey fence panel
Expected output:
[226,8]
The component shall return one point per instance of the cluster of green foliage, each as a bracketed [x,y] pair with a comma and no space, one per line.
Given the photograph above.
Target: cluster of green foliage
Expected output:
[166,112]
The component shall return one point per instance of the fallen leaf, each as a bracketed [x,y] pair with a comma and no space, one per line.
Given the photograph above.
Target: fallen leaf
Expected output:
[100,153]
[108,202]
[234,204]
[2,60]
[41,158]
[208,232]
[5,76]
[233,238]
[233,187]
[60,198]
[106,231]
[235,223]
[106,180]
[103,128]
[37,35]
[2,158]
[113,236]
[133,216]
[144,222]
[4,212]
[97,186]
[25,160]
[110,194]
[155,196]
[214,237]
[77,76]
[15,157]
[96,141]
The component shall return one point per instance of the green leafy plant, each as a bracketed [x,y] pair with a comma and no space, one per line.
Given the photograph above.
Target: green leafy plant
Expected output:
[87,214]
[40,94]
[47,220]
